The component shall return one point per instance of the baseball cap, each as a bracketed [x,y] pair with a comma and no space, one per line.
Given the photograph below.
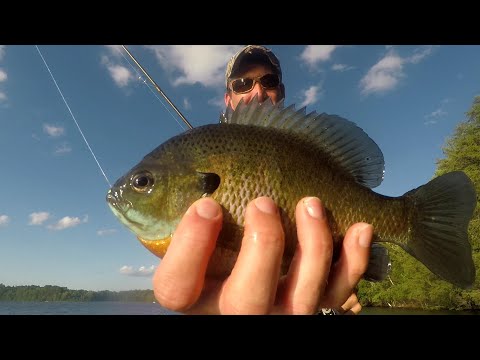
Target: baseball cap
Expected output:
[259,52]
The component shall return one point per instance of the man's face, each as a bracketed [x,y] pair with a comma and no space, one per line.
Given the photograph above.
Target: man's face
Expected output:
[254,71]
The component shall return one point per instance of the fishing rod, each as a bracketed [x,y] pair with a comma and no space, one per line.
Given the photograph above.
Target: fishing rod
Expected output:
[157,87]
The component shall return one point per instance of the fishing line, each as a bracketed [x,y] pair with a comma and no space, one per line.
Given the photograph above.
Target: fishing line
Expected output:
[139,76]
[71,113]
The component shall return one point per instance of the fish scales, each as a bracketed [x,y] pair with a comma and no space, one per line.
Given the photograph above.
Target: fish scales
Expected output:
[256,161]
[269,150]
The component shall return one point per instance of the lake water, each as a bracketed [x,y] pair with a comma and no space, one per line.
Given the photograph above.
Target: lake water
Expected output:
[400,311]
[82,308]
[124,308]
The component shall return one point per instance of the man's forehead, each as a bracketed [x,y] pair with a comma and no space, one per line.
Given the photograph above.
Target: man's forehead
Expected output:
[255,68]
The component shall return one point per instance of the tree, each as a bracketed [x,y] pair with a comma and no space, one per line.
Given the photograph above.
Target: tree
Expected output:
[462,152]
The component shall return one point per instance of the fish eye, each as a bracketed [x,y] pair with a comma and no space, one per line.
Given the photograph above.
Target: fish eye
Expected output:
[142,182]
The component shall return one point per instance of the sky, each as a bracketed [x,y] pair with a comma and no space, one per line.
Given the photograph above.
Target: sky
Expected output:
[61,138]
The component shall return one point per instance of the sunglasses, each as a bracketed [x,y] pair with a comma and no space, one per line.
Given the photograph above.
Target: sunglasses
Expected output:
[245,85]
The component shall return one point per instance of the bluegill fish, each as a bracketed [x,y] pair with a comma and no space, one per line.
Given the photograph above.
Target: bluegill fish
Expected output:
[262,149]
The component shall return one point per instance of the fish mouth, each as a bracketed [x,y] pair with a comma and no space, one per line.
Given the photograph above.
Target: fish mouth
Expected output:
[115,200]
[112,200]
[142,224]
[120,207]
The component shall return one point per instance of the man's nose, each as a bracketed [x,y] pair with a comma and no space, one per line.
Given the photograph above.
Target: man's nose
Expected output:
[259,91]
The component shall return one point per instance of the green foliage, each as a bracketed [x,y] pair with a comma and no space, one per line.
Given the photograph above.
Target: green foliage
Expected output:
[462,152]
[411,284]
[57,293]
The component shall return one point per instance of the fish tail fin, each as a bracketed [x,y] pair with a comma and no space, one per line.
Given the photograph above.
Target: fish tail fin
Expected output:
[379,264]
[442,210]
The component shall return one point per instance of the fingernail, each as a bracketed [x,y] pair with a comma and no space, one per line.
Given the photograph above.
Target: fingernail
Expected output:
[207,208]
[365,236]
[314,207]
[266,205]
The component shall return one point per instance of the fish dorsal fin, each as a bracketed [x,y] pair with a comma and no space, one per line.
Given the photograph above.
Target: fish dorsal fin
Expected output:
[347,145]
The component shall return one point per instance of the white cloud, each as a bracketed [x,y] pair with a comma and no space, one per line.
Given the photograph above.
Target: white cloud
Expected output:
[446,101]
[121,75]
[2,51]
[63,149]
[310,95]
[314,54]
[4,220]
[341,67]
[217,102]
[437,113]
[141,271]
[38,218]
[3,77]
[186,104]
[67,222]
[104,232]
[53,131]
[386,74]
[420,54]
[433,117]
[115,50]
[191,64]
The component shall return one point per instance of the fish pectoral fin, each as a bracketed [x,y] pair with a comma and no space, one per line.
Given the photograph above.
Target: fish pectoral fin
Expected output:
[379,264]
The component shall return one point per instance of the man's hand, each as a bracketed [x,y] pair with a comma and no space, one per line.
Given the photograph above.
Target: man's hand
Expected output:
[255,285]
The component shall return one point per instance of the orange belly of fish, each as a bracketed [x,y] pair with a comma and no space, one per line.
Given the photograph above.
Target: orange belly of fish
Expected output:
[220,264]
[157,247]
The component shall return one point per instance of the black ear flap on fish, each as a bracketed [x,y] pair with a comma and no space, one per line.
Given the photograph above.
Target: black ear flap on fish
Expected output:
[209,182]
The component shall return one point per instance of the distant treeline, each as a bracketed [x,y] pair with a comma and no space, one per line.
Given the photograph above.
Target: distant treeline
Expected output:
[410,284]
[58,293]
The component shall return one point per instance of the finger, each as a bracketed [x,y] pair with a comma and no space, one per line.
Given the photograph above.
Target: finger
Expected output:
[354,310]
[251,287]
[179,278]
[351,307]
[350,267]
[310,266]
